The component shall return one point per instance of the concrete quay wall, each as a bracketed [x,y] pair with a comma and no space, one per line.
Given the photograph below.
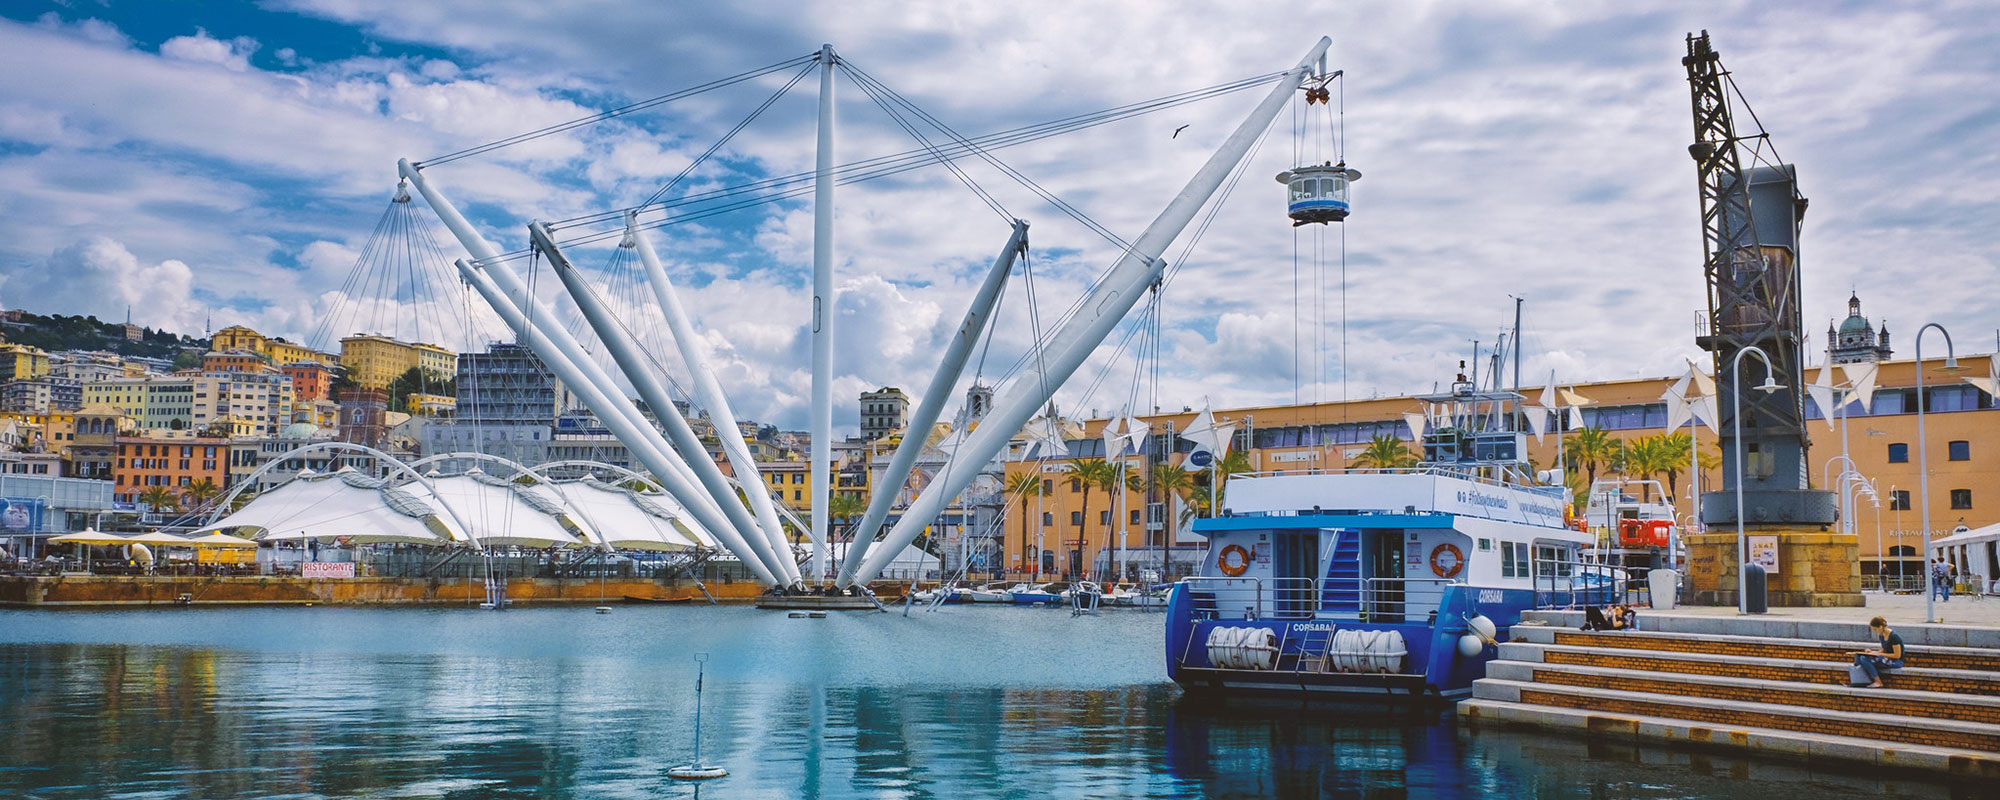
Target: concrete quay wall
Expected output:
[107,590]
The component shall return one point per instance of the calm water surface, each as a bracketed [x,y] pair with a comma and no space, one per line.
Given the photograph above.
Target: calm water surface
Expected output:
[964,702]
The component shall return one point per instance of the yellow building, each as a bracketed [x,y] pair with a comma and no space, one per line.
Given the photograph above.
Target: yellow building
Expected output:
[1962,427]
[279,351]
[20,362]
[374,361]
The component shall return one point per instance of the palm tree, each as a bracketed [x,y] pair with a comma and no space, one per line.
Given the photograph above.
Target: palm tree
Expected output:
[1023,486]
[1646,456]
[1590,448]
[1094,473]
[1385,451]
[200,492]
[160,498]
[1174,483]
[1676,446]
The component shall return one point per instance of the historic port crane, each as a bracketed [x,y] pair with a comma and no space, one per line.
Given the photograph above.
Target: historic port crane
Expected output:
[1750,220]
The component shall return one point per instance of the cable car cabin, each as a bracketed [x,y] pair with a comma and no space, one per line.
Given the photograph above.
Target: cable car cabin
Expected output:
[1319,193]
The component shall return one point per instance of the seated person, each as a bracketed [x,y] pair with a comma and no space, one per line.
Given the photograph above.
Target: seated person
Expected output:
[1874,662]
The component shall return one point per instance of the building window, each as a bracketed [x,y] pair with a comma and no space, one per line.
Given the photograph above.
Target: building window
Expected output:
[1103,517]
[1961,498]
[1075,485]
[1899,453]
[1960,450]
[1048,487]
[1048,518]
[1899,500]
[1135,517]
[1076,518]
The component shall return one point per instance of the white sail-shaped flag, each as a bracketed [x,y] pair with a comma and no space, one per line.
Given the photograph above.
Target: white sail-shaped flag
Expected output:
[1418,424]
[1201,431]
[1679,408]
[1823,393]
[1045,439]
[1705,413]
[1135,432]
[1861,382]
[1991,383]
[1114,441]
[1538,420]
[1221,438]
[1549,391]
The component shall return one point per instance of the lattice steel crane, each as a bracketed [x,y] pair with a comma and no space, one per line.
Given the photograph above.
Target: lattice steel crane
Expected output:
[1750,222]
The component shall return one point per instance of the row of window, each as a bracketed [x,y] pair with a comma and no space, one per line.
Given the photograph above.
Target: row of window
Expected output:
[1899,499]
[1076,518]
[161,463]
[187,451]
[1959,450]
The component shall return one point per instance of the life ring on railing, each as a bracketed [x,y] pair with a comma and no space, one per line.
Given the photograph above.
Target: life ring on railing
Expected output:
[1447,560]
[1242,560]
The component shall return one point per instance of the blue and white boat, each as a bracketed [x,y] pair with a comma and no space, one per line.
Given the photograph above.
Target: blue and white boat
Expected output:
[1381,582]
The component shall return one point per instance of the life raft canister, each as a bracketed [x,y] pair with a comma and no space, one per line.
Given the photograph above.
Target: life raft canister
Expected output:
[1242,564]
[1447,560]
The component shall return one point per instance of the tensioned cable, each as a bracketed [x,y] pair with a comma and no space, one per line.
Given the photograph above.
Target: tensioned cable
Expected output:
[616,112]
[754,114]
[855,76]
[893,163]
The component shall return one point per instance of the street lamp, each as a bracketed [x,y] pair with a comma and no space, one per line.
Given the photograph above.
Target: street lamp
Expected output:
[1769,385]
[1848,471]
[1923,461]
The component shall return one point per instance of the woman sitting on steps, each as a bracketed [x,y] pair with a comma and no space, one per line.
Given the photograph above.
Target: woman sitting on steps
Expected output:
[1873,662]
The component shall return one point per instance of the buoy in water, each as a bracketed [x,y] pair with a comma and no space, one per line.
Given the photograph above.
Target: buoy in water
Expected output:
[603,609]
[694,773]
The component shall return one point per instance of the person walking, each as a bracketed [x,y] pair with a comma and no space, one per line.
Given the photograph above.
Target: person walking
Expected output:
[1941,580]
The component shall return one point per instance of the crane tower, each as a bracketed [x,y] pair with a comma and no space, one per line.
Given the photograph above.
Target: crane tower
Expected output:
[1750,221]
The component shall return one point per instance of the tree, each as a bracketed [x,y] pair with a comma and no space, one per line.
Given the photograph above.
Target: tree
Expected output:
[159,498]
[1111,481]
[201,492]
[848,507]
[1590,448]
[1675,446]
[1175,483]
[1021,487]
[1647,456]
[416,380]
[1093,473]
[1385,451]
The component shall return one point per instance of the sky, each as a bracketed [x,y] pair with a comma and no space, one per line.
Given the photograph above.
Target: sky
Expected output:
[205,164]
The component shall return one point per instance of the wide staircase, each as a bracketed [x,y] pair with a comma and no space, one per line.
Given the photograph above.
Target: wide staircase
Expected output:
[1771,685]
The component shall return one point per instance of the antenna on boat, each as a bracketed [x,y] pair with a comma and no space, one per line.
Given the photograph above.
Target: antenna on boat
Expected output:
[697,771]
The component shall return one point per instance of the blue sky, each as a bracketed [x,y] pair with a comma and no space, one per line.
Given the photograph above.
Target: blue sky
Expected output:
[228,161]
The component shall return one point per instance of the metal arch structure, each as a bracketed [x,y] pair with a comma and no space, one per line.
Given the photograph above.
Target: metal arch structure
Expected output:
[519,469]
[396,463]
[540,471]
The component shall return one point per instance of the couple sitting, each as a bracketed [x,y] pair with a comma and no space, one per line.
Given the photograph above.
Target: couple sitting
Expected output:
[1622,618]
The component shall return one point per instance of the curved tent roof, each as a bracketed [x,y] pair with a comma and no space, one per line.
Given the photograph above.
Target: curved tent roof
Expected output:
[626,519]
[343,504]
[503,513]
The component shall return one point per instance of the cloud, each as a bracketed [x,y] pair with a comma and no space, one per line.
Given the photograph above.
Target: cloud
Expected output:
[233,55]
[98,275]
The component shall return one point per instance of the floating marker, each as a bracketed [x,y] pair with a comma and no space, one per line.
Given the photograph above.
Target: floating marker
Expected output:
[697,771]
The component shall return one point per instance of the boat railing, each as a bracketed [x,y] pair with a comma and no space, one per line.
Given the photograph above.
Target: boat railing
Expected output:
[1460,474]
[1391,599]
[1562,583]
[1210,595]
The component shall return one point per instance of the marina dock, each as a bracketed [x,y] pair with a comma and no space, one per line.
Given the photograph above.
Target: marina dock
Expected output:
[1771,686]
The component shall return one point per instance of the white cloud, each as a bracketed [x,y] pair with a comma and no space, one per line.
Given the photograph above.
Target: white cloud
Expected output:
[201,48]
[99,276]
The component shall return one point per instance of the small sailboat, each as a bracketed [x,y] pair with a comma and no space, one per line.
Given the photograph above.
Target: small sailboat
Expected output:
[1025,595]
[697,771]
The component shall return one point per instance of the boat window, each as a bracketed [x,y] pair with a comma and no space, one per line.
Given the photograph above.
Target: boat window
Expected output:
[1302,189]
[1486,545]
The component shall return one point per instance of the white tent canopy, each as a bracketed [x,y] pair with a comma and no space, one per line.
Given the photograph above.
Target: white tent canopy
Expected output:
[625,519]
[502,513]
[343,505]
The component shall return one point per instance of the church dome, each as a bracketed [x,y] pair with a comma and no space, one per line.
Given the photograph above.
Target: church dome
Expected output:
[1854,324]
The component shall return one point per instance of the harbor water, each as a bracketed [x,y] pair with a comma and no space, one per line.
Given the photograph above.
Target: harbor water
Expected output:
[962,702]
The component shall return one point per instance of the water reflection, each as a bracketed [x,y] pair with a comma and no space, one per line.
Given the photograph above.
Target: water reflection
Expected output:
[556,704]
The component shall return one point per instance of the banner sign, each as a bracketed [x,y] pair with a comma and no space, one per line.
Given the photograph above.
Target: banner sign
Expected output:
[1764,552]
[326,569]
[22,514]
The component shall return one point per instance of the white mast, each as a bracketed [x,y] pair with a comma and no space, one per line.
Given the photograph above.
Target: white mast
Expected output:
[642,376]
[1099,312]
[821,423]
[935,398]
[623,428]
[710,393]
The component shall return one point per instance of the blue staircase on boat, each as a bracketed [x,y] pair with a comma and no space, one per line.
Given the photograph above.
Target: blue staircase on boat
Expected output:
[1340,594]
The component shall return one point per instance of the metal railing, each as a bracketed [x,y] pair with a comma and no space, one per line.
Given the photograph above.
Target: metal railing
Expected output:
[1570,584]
[1375,599]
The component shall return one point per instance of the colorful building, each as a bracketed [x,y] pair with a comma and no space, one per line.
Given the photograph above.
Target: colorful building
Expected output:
[20,362]
[174,465]
[1962,428]
[311,380]
[276,350]
[373,361]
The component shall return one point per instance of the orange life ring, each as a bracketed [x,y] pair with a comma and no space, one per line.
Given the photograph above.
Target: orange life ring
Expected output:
[1447,560]
[1242,564]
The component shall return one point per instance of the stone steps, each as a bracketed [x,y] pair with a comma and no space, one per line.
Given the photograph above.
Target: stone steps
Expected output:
[1777,686]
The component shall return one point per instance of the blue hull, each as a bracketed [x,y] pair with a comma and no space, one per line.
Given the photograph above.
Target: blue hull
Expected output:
[1433,668]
